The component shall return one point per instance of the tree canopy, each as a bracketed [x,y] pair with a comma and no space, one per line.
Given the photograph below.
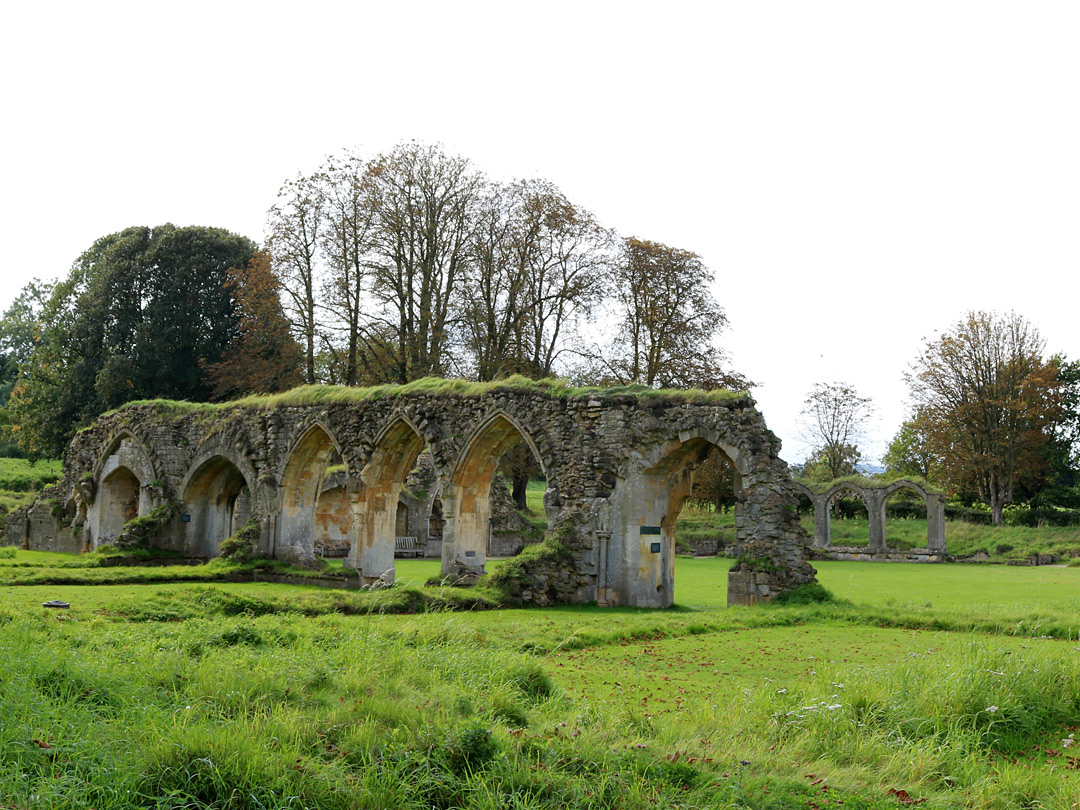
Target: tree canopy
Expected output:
[414,263]
[987,404]
[834,418]
[142,314]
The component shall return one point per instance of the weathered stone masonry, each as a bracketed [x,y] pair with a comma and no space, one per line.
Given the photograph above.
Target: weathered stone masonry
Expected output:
[618,466]
[875,496]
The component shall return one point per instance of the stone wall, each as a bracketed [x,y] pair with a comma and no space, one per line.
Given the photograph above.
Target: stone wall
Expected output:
[618,465]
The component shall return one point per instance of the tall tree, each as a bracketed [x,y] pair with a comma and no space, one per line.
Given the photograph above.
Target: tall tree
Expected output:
[20,331]
[536,266]
[833,420]
[425,202]
[565,259]
[668,320]
[141,314]
[348,236]
[262,357]
[296,226]
[494,307]
[988,401]
[1063,448]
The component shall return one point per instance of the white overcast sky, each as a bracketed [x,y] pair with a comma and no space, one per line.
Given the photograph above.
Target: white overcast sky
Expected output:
[857,174]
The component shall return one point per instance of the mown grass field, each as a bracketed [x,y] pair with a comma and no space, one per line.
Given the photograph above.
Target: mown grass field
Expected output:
[952,686]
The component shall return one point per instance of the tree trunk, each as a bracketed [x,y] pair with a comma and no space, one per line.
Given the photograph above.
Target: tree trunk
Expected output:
[520,484]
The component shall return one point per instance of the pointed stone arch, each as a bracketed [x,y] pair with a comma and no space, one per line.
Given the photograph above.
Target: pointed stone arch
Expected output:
[466,502]
[299,490]
[392,457]
[123,487]
[216,502]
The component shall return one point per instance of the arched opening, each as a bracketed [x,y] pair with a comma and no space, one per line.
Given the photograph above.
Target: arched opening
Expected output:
[387,510]
[120,475]
[705,525]
[679,471]
[119,502]
[333,511]
[904,521]
[333,520]
[636,564]
[481,493]
[910,507]
[298,531]
[217,502]
[848,514]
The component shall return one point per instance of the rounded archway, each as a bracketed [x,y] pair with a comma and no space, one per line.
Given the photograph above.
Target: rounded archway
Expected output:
[856,507]
[122,474]
[379,505]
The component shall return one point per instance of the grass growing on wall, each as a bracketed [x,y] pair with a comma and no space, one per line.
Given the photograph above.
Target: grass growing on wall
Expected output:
[434,386]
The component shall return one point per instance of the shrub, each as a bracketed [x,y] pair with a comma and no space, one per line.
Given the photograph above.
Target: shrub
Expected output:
[240,547]
[142,532]
[805,595]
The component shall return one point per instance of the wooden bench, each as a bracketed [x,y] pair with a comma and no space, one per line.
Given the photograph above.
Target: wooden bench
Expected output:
[406,547]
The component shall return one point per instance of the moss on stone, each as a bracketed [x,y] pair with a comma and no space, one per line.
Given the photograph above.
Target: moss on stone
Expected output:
[434,386]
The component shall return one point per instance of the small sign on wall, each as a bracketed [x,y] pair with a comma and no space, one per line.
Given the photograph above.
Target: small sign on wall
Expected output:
[185,518]
[650,530]
[655,548]
[470,553]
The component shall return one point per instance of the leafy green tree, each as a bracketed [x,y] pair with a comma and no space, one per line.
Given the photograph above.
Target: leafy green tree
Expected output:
[910,454]
[141,315]
[988,403]
[669,321]
[1062,481]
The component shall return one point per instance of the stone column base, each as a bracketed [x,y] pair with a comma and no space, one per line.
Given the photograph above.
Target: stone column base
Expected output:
[750,587]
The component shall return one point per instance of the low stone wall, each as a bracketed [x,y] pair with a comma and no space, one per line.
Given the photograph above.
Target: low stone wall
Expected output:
[702,547]
[862,554]
[37,527]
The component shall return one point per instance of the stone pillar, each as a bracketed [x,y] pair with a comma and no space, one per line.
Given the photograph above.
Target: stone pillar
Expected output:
[935,523]
[822,522]
[875,508]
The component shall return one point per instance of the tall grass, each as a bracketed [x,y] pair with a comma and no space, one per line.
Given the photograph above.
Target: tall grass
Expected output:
[284,711]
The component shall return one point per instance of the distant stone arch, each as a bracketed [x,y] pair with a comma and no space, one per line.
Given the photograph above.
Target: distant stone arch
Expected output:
[875,498]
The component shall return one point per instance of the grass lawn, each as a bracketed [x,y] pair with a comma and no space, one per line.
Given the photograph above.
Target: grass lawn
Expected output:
[931,681]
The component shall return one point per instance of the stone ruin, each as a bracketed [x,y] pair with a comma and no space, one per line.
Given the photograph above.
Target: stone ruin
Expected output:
[874,496]
[317,472]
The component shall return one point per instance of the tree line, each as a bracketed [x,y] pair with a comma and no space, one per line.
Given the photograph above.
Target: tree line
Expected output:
[994,419]
[408,264]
